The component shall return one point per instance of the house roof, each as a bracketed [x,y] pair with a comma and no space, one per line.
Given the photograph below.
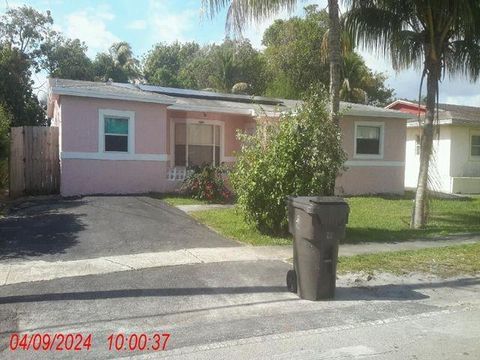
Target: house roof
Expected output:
[448,114]
[106,90]
[197,100]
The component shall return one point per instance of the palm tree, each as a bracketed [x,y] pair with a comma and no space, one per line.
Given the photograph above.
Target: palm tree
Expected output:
[334,33]
[436,36]
[241,12]
[123,59]
[354,74]
[224,80]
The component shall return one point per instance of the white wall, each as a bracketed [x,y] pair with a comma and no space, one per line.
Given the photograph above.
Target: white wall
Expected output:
[463,164]
[412,161]
[439,173]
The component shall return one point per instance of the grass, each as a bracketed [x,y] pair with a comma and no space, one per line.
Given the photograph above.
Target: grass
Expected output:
[177,199]
[372,219]
[444,261]
[230,223]
[377,219]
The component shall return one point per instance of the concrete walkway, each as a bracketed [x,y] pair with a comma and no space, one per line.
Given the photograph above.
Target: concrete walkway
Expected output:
[371,248]
[28,271]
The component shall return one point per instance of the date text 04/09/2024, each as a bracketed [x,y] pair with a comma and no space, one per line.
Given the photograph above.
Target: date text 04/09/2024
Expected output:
[78,342]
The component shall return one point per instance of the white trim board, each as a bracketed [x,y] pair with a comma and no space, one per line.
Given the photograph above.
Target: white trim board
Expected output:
[113,156]
[376,163]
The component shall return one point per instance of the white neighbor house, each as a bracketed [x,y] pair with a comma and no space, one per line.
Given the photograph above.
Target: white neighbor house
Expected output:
[455,167]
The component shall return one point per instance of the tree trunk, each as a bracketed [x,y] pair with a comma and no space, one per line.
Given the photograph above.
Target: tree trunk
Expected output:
[419,218]
[335,59]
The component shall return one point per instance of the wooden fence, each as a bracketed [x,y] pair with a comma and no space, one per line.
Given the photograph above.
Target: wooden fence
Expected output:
[34,161]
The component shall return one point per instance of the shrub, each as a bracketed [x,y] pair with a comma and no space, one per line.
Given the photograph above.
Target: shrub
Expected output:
[299,154]
[207,183]
[5,120]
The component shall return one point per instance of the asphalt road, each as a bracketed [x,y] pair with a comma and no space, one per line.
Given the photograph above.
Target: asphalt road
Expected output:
[219,308]
[82,228]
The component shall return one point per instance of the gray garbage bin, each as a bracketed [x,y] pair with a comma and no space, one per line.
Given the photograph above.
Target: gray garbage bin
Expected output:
[317,225]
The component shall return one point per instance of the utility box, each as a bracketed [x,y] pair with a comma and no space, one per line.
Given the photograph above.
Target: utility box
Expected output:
[317,225]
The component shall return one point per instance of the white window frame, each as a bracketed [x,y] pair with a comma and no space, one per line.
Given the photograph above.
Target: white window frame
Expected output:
[130,115]
[471,135]
[173,122]
[381,125]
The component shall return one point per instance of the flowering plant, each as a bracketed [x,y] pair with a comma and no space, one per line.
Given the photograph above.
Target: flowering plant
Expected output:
[207,183]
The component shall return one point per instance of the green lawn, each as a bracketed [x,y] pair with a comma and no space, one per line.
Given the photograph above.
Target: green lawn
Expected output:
[445,261]
[230,223]
[177,199]
[378,219]
[372,219]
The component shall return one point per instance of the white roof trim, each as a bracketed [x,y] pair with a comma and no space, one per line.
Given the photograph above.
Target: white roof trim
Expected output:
[58,90]
[374,113]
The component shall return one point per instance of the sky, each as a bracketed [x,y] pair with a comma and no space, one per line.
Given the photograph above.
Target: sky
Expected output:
[143,23]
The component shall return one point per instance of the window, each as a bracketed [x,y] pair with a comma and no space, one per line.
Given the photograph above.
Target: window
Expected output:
[116,131]
[116,134]
[197,144]
[369,140]
[475,145]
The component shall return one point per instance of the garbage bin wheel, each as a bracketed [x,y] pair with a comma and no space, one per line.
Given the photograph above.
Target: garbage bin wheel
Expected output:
[292,281]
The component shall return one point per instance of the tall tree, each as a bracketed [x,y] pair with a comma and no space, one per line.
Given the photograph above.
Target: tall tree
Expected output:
[296,54]
[241,12]
[25,29]
[16,93]
[360,84]
[119,64]
[436,36]
[233,62]
[66,58]
[335,59]
[163,65]
[292,53]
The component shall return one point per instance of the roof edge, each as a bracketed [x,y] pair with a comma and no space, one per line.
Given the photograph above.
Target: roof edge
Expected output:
[59,90]
[373,113]
[404,102]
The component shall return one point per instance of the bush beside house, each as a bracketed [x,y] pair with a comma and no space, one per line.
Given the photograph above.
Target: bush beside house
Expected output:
[300,154]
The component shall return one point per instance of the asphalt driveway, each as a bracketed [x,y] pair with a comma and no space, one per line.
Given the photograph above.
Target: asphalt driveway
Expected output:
[70,229]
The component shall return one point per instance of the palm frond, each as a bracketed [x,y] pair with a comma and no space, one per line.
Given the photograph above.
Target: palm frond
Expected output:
[241,13]
[372,27]
[347,45]
[407,49]
[463,58]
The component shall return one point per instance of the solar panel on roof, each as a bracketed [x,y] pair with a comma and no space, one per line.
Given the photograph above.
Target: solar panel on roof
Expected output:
[200,94]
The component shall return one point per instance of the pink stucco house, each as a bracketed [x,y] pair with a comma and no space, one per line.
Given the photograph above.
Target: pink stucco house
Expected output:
[125,138]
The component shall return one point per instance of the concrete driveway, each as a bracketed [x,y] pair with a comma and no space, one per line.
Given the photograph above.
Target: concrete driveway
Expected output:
[90,227]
